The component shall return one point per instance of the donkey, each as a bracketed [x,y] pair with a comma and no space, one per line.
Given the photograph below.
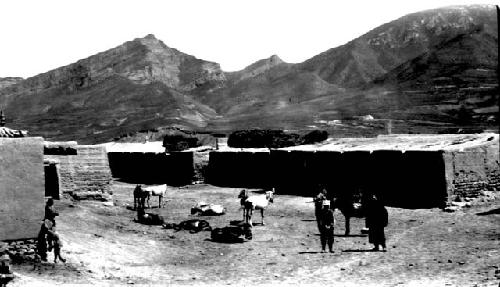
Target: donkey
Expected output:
[254,202]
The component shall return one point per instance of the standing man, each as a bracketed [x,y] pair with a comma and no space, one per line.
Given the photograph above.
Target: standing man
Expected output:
[318,205]
[376,221]
[326,223]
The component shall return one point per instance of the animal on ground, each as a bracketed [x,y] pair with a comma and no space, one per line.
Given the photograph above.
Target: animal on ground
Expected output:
[208,209]
[192,225]
[149,218]
[232,234]
[155,190]
[255,202]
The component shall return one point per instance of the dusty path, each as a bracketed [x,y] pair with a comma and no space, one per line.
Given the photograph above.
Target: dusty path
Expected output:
[426,247]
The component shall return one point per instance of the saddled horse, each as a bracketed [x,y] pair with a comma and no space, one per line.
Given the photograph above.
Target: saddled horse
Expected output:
[253,202]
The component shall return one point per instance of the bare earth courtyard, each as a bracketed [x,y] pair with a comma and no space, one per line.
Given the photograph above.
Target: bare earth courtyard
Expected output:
[426,247]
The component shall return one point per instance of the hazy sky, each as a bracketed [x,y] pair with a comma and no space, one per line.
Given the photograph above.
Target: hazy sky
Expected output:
[37,36]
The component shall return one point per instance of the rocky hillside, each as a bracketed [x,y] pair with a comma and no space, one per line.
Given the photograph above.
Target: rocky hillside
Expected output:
[135,86]
[429,67]
[431,71]
[5,82]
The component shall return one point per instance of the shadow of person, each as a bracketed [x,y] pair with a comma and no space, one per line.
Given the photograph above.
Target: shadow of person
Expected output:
[351,235]
[359,250]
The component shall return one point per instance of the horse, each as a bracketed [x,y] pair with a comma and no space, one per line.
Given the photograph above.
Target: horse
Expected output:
[208,209]
[232,234]
[139,197]
[254,202]
[349,207]
[156,190]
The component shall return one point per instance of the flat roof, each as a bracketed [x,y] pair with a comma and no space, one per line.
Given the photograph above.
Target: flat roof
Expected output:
[152,147]
[403,142]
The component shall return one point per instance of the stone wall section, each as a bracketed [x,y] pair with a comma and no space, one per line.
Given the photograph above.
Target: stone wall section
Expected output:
[85,175]
[492,165]
[471,171]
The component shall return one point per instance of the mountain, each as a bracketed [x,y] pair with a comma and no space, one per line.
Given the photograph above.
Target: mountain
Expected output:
[382,73]
[430,71]
[388,46]
[138,85]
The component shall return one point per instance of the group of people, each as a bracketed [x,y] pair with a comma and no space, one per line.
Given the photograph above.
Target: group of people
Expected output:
[48,238]
[376,219]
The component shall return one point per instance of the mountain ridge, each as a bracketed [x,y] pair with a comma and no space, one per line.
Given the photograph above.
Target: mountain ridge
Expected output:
[144,84]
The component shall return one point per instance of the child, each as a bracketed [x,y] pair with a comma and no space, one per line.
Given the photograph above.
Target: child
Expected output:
[57,244]
[6,274]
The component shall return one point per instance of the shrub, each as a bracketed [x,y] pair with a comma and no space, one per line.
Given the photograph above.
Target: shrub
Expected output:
[180,141]
[315,136]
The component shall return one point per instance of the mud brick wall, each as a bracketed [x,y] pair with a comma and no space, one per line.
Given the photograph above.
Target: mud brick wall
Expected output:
[200,162]
[239,169]
[411,179]
[175,169]
[467,175]
[85,175]
[492,166]
[22,187]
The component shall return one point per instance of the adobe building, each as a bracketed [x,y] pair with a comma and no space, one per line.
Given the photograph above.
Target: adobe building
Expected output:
[81,171]
[21,185]
[149,163]
[404,170]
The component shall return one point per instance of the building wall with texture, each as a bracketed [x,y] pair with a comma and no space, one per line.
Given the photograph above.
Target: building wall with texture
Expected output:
[86,174]
[22,187]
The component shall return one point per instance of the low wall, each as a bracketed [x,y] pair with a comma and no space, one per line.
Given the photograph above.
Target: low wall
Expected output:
[85,174]
[21,187]
[492,166]
[239,169]
[409,179]
[136,167]
[413,179]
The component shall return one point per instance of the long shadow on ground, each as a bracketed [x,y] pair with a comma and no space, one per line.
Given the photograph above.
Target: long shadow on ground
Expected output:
[493,211]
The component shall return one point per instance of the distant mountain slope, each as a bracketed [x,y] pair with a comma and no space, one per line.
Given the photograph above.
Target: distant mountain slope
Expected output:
[138,85]
[436,67]
[386,47]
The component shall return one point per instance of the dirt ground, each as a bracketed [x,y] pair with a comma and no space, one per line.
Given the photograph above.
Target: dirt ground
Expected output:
[426,247]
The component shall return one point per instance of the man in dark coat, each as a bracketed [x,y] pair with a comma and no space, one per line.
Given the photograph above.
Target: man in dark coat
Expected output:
[318,205]
[376,221]
[326,223]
